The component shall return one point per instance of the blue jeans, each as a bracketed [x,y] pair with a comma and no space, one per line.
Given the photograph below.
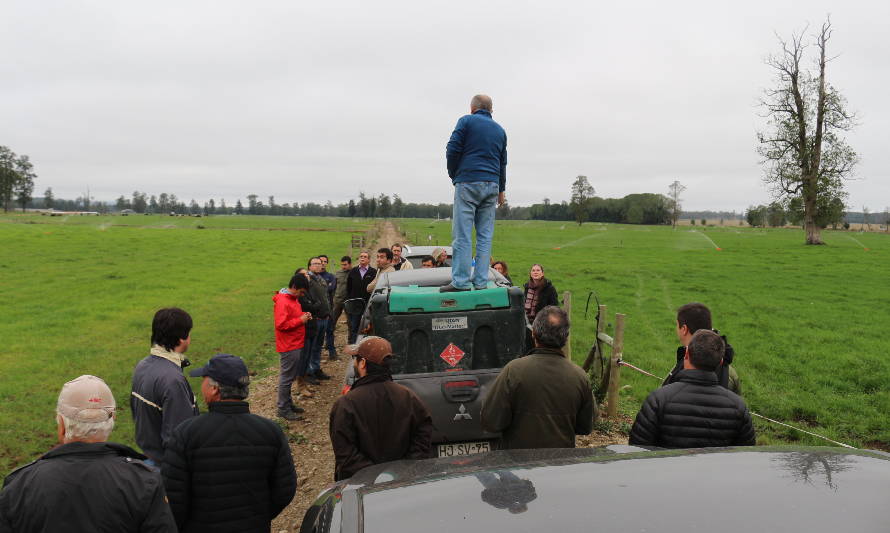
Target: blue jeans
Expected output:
[317,344]
[474,205]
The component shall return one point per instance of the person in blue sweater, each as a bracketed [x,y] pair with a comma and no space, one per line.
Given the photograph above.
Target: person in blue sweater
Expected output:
[477,165]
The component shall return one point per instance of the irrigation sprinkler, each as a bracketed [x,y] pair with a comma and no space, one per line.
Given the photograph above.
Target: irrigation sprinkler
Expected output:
[709,240]
[864,247]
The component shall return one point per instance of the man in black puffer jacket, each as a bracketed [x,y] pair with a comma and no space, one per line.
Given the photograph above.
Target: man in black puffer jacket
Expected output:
[227,470]
[695,411]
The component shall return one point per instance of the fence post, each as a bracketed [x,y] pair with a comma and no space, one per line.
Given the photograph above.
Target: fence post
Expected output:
[567,307]
[615,368]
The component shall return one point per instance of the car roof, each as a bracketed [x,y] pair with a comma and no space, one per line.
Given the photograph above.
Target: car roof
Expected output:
[630,489]
[428,277]
[420,251]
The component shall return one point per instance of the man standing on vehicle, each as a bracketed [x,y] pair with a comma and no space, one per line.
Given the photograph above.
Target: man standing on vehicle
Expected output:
[357,287]
[85,483]
[161,398]
[384,265]
[477,165]
[377,420]
[541,400]
[695,411]
[691,318]
[228,469]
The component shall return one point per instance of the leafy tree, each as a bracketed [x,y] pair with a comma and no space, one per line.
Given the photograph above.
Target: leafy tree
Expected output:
[140,203]
[23,186]
[351,209]
[48,199]
[803,150]
[211,207]
[775,215]
[582,192]
[756,216]
[8,176]
[384,206]
[675,189]
[398,206]
[194,208]
[122,203]
[239,209]
[252,204]
[153,204]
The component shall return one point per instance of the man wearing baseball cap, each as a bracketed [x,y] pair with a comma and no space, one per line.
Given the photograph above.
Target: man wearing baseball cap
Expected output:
[85,483]
[228,469]
[377,420]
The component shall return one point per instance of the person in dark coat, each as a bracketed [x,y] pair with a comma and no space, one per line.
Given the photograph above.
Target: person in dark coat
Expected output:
[539,292]
[695,411]
[85,483]
[541,400]
[161,398]
[691,318]
[228,470]
[357,287]
[377,420]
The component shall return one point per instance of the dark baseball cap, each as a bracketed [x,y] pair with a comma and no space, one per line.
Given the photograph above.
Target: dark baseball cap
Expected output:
[223,368]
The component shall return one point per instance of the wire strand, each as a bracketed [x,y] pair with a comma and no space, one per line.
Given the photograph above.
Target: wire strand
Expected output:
[641,371]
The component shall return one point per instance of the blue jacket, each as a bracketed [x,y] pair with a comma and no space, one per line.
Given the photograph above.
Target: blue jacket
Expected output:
[477,150]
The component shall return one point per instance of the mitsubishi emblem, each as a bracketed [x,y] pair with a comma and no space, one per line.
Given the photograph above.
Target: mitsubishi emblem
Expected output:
[462,414]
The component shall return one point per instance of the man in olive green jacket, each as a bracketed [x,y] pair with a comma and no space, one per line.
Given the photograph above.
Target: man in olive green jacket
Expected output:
[541,400]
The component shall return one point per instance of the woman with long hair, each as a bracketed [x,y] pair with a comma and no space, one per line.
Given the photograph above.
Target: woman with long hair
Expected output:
[539,292]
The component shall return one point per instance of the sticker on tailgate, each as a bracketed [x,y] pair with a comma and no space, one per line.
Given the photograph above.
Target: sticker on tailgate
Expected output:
[440,324]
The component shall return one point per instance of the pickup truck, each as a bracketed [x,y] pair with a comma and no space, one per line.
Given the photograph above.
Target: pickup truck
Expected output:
[448,347]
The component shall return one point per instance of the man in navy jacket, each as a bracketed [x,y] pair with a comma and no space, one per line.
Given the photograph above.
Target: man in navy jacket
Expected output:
[477,165]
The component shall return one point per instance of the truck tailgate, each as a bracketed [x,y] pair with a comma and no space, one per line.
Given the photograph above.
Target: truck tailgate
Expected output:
[455,402]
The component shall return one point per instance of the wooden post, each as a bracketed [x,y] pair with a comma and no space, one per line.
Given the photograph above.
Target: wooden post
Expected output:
[567,307]
[615,368]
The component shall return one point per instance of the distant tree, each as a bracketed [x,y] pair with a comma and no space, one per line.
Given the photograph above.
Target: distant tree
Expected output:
[194,208]
[252,204]
[122,203]
[140,203]
[704,222]
[756,216]
[24,183]
[48,199]
[805,155]
[8,176]
[582,192]
[153,204]
[384,206]
[692,221]
[398,206]
[372,207]
[239,209]
[775,215]
[865,218]
[351,209]
[174,203]
[223,210]
[675,189]
[887,219]
[211,207]
[364,208]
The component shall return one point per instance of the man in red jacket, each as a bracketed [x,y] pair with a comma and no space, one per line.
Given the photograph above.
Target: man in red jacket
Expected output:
[290,337]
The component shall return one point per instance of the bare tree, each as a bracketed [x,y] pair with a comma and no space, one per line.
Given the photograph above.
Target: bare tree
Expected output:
[865,219]
[805,156]
[675,189]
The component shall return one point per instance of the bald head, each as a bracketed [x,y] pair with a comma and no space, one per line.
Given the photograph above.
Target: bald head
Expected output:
[480,101]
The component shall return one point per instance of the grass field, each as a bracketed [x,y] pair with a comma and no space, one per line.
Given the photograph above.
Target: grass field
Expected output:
[808,324]
[78,294]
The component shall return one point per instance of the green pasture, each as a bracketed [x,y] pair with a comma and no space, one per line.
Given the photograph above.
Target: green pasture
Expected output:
[78,294]
[808,323]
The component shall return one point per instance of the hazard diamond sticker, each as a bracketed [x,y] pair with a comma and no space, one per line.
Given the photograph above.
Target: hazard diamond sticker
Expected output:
[452,354]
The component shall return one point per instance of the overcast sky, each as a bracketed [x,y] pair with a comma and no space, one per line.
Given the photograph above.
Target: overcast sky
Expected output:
[311,101]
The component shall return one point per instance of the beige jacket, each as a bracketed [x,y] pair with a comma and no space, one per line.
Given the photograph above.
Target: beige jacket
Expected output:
[380,271]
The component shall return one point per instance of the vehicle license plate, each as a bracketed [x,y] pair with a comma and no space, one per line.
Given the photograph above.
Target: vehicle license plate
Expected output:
[463,448]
